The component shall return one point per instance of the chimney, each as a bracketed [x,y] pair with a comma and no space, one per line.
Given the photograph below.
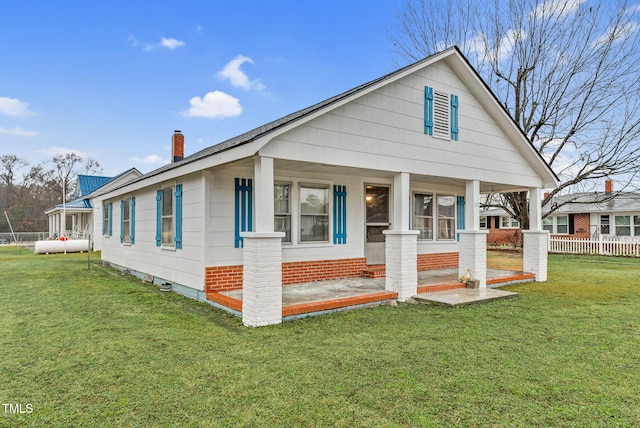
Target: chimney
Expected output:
[177,146]
[608,186]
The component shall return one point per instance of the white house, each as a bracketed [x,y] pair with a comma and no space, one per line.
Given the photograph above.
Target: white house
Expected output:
[74,219]
[390,172]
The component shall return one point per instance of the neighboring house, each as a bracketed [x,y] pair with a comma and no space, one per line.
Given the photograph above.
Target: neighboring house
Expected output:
[79,211]
[579,215]
[390,172]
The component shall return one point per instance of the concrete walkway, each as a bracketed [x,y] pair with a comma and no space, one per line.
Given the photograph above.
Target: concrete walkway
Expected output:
[463,296]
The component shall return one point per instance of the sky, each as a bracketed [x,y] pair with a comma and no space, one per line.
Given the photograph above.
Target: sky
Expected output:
[113,79]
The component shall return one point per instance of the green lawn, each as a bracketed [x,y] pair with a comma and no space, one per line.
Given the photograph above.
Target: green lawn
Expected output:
[96,348]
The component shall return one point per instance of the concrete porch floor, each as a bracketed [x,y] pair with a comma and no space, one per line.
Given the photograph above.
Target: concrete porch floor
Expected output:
[303,299]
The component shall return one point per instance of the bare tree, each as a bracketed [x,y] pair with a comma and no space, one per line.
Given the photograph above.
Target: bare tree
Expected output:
[566,70]
[66,167]
[10,165]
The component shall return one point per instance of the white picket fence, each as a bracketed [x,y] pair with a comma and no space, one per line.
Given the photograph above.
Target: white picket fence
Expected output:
[603,245]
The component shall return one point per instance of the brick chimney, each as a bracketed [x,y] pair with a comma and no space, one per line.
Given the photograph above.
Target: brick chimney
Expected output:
[608,186]
[177,146]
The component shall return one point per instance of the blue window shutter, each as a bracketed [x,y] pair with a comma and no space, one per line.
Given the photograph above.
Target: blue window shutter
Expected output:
[454,117]
[178,216]
[132,221]
[243,219]
[339,214]
[159,218]
[110,218]
[122,221]
[460,212]
[428,110]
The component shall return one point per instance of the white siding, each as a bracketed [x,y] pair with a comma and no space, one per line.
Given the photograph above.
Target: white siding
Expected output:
[385,130]
[184,266]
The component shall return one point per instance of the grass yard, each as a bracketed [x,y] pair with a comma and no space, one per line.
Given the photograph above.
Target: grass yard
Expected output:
[97,348]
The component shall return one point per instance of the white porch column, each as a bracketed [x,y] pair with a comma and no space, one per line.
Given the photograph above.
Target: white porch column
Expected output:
[262,255]
[263,172]
[536,240]
[472,205]
[401,244]
[473,241]
[262,278]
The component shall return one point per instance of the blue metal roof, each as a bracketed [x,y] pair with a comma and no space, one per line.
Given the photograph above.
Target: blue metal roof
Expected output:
[89,183]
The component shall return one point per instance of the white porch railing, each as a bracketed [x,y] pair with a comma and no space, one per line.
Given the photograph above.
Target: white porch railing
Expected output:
[603,245]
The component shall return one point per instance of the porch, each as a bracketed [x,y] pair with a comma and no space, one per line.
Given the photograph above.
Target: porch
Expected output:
[322,297]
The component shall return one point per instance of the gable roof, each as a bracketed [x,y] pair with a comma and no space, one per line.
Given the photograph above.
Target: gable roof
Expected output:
[89,183]
[596,202]
[459,63]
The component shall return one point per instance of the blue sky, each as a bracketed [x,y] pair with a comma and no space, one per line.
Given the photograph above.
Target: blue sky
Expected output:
[112,79]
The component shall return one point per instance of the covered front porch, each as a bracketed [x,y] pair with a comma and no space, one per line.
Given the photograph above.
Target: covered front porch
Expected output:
[322,297]
[411,231]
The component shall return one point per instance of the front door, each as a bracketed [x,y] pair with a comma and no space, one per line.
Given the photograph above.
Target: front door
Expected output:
[376,202]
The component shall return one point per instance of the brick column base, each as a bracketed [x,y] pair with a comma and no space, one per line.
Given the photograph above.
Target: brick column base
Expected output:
[401,253]
[535,249]
[262,278]
[473,254]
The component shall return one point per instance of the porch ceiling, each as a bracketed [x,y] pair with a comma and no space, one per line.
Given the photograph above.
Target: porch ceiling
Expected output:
[326,169]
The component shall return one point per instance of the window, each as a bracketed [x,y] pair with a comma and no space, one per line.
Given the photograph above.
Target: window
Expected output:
[604,224]
[314,213]
[483,222]
[127,220]
[169,216]
[282,210]
[423,215]
[636,225]
[125,223]
[623,225]
[562,224]
[547,224]
[509,223]
[107,214]
[446,217]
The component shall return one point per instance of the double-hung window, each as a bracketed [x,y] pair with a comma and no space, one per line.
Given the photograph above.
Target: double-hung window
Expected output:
[107,217]
[423,215]
[547,224]
[314,213]
[446,217]
[636,225]
[605,227]
[125,235]
[282,210]
[623,225]
[562,224]
[434,216]
[169,217]
[507,222]
[127,220]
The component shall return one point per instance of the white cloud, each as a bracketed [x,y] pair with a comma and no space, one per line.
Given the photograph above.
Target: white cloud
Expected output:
[556,8]
[14,107]
[57,150]
[18,132]
[171,43]
[168,43]
[616,34]
[214,104]
[237,77]
[153,158]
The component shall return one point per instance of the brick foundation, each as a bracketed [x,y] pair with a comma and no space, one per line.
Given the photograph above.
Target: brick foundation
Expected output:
[227,278]
[223,278]
[321,270]
[437,261]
